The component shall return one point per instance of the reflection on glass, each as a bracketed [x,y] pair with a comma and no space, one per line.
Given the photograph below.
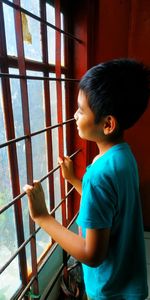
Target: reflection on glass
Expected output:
[31,38]
[10,30]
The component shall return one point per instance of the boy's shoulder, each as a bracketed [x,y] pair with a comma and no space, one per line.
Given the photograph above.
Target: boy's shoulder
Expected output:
[104,167]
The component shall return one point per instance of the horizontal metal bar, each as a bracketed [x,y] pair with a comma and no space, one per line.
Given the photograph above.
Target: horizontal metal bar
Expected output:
[34,133]
[12,61]
[29,77]
[55,169]
[32,235]
[33,278]
[27,287]
[17,7]
[24,193]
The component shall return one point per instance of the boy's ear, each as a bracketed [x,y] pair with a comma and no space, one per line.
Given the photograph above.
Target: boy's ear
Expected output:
[110,125]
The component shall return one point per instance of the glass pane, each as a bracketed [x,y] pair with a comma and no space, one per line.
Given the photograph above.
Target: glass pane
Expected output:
[62,40]
[5,186]
[28,256]
[31,38]
[25,213]
[18,123]
[2,131]
[9,279]
[50,15]
[32,6]
[53,100]
[39,156]
[43,240]
[10,30]
[36,102]
[16,103]
[22,163]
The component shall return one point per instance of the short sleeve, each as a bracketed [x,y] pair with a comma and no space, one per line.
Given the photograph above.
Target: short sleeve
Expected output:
[98,205]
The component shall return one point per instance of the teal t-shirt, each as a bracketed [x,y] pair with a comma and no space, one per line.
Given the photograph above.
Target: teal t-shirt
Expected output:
[110,199]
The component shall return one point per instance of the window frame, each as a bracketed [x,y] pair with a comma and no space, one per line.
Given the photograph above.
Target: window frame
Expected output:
[23,64]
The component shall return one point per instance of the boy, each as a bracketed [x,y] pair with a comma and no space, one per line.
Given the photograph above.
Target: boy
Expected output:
[112,97]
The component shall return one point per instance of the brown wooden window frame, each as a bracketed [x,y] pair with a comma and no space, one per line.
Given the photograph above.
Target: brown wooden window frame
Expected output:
[25,64]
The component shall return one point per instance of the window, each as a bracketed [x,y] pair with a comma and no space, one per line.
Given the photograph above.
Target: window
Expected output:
[33,122]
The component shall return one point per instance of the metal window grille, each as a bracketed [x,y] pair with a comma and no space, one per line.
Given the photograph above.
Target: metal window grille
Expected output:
[10,144]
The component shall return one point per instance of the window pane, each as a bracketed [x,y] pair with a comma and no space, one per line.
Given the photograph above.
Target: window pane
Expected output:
[32,6]
[16,103]
[36,102]
[10,30]
[62,40]
[50,15]
[18,123]
[5,187]
[9,279]
[2,131]
[8,240]
[31,38]
[43,241]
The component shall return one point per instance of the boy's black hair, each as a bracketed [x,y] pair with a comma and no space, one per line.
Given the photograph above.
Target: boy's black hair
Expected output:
[120,88]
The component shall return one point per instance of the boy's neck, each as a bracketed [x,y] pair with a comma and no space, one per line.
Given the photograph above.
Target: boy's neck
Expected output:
[104,146]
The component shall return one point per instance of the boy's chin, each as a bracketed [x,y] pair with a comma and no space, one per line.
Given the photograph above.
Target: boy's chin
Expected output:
[83,137]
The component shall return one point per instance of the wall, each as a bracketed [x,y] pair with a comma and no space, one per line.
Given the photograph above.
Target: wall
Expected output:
[122,29]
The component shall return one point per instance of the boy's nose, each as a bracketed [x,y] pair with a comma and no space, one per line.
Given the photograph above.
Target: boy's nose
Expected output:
[75,116]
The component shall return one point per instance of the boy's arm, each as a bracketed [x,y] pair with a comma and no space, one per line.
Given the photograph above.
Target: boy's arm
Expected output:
[91,251]
[66,165]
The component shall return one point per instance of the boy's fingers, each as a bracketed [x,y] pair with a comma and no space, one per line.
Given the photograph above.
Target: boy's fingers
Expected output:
[60,160]
[38,185]
[27,187]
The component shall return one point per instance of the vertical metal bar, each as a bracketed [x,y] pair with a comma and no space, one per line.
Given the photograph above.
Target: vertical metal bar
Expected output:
[68,43]
[60,114]
[47,104]
[12,152]
[59,101]
[26,124]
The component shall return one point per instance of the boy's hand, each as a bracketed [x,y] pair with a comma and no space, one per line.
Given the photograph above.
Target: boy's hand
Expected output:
[66,165]
[36,201]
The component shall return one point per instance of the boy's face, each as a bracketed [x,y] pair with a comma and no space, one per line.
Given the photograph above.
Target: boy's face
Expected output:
[85,120]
